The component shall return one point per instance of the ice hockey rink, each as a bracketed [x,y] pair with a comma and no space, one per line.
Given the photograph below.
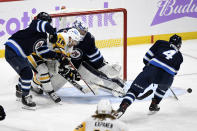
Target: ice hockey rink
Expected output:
[174,115]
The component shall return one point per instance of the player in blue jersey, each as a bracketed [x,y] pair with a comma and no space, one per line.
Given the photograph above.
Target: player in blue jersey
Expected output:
[2,113]
[87,48]
[21,44]
[162,63]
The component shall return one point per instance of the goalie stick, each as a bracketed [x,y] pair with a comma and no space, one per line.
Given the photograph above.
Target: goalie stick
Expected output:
[101,74]
[146,94]
[74,83]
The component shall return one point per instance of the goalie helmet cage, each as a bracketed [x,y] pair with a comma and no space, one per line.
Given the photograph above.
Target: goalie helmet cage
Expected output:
[123,11]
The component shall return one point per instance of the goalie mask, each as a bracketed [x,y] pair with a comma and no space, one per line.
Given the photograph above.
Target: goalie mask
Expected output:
[81,27]
[44,16]
[104,107]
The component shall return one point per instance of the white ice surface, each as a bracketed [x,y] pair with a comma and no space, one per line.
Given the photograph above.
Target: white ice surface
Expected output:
[174,115]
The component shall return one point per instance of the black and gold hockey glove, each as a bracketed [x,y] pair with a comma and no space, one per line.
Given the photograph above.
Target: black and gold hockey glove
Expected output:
[69,74]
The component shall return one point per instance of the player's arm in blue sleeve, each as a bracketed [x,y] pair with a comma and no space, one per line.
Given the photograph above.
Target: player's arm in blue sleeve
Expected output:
[42,50]
[178,62]
[46,53]
[49,29]
[150,53]
[45,27]
[94,55]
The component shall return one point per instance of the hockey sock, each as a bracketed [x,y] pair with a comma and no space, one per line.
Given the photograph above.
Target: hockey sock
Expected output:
[159,95]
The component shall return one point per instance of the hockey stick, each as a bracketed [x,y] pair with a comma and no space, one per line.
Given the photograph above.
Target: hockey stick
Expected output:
[71,64]
[148,93]
[190,56]
[74,83]
[105,87]
[175,96]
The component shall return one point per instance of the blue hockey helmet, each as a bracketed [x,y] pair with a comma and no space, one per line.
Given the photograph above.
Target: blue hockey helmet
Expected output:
[44,16]
[176,40]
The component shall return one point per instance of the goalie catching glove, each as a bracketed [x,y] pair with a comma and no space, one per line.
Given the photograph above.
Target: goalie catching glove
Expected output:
[69,73]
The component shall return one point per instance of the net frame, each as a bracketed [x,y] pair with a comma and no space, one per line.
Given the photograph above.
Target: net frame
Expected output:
[123,10]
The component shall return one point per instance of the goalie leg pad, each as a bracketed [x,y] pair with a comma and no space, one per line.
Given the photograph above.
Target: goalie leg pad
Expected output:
[111,70]
[91,78]
[58,81]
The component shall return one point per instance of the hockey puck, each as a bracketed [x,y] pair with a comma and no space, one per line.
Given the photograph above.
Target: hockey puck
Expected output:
[189,90]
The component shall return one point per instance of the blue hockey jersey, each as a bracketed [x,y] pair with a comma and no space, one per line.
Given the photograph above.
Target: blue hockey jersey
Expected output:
[87,51]
[163,55]
[23,41]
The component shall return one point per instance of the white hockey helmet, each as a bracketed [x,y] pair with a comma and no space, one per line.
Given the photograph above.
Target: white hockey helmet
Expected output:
[80,25]
[74,34]
[104,107]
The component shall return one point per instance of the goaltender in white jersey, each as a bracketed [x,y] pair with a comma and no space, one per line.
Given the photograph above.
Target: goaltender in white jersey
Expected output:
[103,120]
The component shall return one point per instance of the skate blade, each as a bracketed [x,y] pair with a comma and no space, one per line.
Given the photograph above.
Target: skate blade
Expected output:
[29,108]
[152,112]
[37,92]
[18,99]
[59,103]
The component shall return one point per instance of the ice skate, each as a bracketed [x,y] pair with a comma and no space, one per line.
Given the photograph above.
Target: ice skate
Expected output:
[28,103]
[2,113]
[121,110]
[154,108]
[18,93]
[37,90]
[54,96]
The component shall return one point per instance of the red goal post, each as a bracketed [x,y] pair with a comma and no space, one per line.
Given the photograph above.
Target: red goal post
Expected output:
[92,12]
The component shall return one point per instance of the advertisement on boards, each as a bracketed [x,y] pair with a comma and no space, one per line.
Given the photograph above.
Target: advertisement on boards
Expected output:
[144,18]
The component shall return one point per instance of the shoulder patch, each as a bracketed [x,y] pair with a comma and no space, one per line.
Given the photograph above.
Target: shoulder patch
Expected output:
[76,54]
[39,44]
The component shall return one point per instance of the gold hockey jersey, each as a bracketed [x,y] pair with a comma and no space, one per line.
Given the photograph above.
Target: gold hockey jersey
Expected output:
[92,124]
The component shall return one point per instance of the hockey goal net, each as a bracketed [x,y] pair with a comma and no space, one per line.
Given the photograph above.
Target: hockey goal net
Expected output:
[108,26]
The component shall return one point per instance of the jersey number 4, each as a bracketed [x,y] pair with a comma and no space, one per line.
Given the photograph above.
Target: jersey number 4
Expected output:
[169,54]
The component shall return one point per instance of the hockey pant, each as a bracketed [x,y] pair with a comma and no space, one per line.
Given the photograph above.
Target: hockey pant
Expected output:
[21,66]
[149,75]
